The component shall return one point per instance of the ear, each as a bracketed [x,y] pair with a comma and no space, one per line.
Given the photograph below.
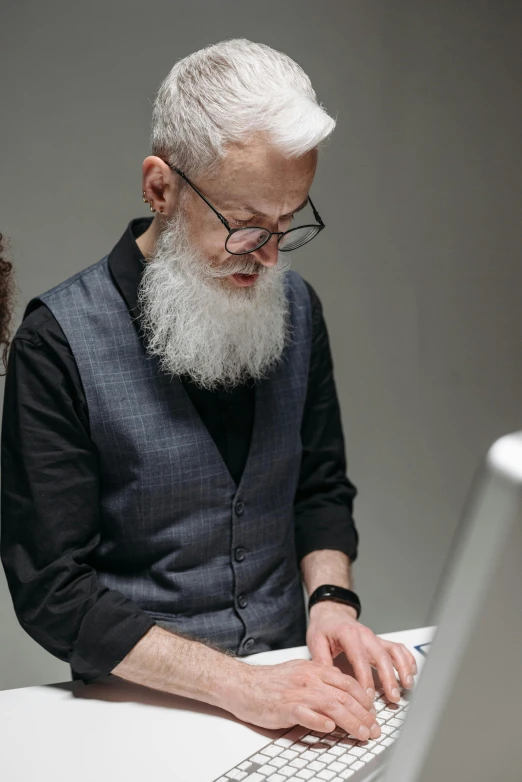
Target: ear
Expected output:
[160,185]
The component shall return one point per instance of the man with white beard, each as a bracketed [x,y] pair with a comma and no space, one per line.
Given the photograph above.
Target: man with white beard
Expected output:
[173,459]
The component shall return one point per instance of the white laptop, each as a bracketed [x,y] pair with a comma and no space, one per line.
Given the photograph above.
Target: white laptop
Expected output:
[463,720]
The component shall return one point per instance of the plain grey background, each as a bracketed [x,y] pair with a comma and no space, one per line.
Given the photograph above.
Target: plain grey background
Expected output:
[419,268]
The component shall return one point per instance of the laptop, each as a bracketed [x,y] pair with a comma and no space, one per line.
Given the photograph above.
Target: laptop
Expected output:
[462,720]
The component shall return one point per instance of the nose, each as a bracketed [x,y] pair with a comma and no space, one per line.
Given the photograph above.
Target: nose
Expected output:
[268,253]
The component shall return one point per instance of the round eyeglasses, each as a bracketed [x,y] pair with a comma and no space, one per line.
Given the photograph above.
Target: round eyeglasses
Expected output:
[245,240]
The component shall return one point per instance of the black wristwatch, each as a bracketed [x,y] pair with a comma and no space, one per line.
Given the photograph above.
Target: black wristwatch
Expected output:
[337,594]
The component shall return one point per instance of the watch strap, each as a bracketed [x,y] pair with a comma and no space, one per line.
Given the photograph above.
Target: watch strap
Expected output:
[337,594]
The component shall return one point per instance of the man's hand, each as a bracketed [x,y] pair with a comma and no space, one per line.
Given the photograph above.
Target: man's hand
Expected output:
[271,696]
[301,692]
[333,629]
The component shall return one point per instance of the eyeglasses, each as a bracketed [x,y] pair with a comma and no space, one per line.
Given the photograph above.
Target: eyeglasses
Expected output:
[245,240]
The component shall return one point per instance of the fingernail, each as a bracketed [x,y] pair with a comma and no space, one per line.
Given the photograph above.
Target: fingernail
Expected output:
[409,680]
[364,733]
[395,693]
[372,711]
[375,731]
[371,692]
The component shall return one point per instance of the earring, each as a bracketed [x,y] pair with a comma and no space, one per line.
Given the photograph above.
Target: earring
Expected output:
[144,198]
[161,209]
[151,207]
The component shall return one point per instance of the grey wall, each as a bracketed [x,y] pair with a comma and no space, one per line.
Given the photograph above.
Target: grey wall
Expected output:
[419,268]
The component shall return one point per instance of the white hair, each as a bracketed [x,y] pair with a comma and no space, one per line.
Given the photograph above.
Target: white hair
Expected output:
[227,92]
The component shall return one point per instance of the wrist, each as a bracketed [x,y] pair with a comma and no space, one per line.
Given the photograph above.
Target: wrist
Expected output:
[227,676]
[326,606]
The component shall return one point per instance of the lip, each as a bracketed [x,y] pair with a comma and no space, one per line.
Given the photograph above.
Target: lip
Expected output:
[243,281]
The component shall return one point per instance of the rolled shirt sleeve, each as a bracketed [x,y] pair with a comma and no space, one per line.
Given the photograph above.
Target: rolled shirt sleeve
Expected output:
[50,509]
[325,495]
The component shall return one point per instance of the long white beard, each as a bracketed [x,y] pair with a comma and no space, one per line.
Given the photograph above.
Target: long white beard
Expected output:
[196,326]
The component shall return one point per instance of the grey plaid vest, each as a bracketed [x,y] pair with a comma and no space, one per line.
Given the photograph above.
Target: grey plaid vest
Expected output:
[195,551]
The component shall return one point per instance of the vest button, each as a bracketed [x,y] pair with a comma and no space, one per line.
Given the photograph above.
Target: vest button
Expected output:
[242,601]
[239,508]
[239,554]
[249,644]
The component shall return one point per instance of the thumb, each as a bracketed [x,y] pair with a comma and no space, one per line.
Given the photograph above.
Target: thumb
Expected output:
[319,648]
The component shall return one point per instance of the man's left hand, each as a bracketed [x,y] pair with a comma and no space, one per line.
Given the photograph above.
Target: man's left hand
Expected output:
[333,628]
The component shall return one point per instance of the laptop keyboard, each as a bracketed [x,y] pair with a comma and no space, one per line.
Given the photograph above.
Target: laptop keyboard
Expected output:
[302,754]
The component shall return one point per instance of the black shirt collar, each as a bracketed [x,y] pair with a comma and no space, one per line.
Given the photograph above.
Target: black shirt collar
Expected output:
[126,262]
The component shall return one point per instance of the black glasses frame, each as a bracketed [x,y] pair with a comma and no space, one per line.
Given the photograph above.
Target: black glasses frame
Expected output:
[319,225]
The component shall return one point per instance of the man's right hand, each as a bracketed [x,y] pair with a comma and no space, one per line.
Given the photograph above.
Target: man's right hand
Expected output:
[301,692]
[298,692]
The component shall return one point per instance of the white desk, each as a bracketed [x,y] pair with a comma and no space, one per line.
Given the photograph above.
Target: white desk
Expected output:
[116,731]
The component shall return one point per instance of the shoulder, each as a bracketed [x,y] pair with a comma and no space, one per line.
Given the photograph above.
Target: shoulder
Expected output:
[297,281]
[41,330]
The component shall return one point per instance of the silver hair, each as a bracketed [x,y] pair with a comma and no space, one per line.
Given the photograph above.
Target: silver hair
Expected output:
[227,92]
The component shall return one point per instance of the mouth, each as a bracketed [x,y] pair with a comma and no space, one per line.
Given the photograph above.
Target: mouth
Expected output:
[243,280]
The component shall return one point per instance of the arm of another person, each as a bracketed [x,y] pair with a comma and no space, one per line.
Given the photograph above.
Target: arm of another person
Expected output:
[50,526]
[326,536]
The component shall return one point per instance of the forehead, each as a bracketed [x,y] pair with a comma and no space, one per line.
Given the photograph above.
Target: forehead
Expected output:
[257,174]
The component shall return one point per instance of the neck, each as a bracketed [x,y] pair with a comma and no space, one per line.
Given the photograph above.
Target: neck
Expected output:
[147,241]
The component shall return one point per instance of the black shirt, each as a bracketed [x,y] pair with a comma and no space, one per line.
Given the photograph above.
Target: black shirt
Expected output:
[50,478]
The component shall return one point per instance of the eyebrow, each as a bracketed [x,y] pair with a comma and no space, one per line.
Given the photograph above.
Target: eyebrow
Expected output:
[255,213]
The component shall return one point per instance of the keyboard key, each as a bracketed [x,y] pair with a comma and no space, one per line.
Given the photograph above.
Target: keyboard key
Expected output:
[258,759]
[336,766]
[337,750]
[358,752]
[272,750]
[245,765]
[310,739]
[289,754]
[357,765]
[315,765]
[387,730]
[255,777]
[395,723]
[387,741]
[265,770]
[276,778]
[347,774]
[305,773]
[346,759]
[236,774]
[377,750]
[326,775]
[366,758]
[319,747]
[298,763]
[294,734]
[277,762]
[347,742]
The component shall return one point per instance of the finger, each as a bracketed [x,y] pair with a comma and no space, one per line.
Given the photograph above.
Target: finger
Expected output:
[308,718]
[346,712]
[334,677]
[319,648]
[401,661]
[410,659]
[358,658]
[385,669]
